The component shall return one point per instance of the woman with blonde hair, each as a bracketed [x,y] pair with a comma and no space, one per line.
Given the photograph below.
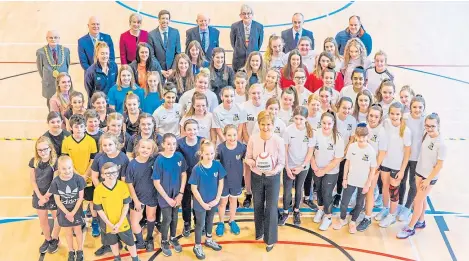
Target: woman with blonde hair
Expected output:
[354,56]
[60,101]
[125,84]
[130,39]
[331,47]
[274,57]
[102,74]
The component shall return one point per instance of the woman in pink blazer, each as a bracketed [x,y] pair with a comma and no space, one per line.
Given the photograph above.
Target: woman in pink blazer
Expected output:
[129,40]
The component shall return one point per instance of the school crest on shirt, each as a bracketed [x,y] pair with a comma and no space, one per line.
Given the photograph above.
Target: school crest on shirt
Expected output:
[250,117]
[319,125]
[215,174]
[431,145]
[277,130]
[306,139]
[365,157]
[238,157]
[316,147]
[330,146]
[291,120]
[178,114]
[236,117]
[349,127]
[374,138]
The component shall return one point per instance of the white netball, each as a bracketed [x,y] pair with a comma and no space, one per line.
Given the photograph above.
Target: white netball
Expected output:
[265,162]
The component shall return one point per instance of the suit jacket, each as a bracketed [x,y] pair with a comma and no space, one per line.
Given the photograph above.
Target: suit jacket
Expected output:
[45,69]
[238,42]
[287,36]
[86,49]
[128,45]
[165,56]
[213,35]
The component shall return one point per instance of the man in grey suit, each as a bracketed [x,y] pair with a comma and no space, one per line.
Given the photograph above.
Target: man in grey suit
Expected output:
[207,36]
[165,43]
[51,60]
[246,36]
[292,35]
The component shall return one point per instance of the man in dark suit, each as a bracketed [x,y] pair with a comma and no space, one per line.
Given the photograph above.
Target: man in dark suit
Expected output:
[165,43]
[87,42]
[246,36]
[207,36]
[292,36]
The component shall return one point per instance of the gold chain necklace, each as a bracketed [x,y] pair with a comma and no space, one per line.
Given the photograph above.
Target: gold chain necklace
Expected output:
[55,72]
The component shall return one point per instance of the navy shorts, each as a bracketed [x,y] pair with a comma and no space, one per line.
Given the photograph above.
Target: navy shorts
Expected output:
[433,182]
[88,193]
[78,219]
[232,192]
[49,205]
[392,172]
[126,236]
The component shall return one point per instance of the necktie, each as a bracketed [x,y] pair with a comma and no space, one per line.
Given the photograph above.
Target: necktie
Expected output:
[54,55]
[297,38]
[203,41]
[94,41]
[194,69]
[165,39]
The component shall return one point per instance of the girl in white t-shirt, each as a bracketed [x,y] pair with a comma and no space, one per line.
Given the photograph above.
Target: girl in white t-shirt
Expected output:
[360,167]
[227,113]
[314,111]
[406,94]
[251,108]
[325,96]
[354,55]
[299,145]
[299,77]
[168,115]
[430,163]
[273,106]
[199,112]
[362,105]
[327,154]
[288,102]
[385,96]
[271,85]
[394,163]
[241,83]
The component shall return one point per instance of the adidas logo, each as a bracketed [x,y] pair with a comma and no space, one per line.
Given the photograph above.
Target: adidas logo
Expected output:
[69,196]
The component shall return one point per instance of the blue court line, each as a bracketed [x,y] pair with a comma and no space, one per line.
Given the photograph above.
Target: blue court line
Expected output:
[443,227]
[229,26]
[429,73]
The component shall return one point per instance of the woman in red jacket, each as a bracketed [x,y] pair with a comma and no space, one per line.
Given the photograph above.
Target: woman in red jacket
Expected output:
[130,39]
[286,73]
[315,82]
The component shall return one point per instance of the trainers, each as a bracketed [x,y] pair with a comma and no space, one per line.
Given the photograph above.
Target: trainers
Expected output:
[340,224]
[53,246]
[387,221]
[296,218]
[212,244]
[140,245]
[405,233]
[150,245]
[95,228]
[382,214]
[420,225]
[247,201]
[165,248]
[325,224]
[310,204]
[404,214]
[283,219]
[352,227]
[199,252]
[360,217]
[79,255]
[318,217]
[364,224]
[220,230]
[71,256]
[260,237]
[337,200]
[117,258]
[379,201]
[102,250]
[43,248]
[234,228]
[175,243]
[186,231]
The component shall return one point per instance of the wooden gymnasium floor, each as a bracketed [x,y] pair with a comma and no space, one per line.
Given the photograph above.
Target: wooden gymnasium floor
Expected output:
[425,38]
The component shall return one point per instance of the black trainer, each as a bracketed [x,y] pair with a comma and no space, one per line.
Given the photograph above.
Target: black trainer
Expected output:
[71,256]
[150,245]
[366,222]
[79,255]
[247,201]
[53,246]
[186,231]
[296,218]
[140,245]
[102,250]
[117,258]
[43,248]
[337,200]
[283,219]
[310,204]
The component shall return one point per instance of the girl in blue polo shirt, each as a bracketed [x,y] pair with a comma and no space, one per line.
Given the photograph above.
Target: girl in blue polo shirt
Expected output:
[169,178]
[207,185]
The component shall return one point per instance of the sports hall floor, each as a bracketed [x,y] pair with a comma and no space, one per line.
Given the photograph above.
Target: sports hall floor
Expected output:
[425,43]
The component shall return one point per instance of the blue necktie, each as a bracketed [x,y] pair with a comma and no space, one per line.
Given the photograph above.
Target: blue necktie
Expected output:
[203,41]
[165,39]
[297,38]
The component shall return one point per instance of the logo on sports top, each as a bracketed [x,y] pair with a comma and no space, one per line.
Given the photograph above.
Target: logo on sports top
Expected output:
[349,127]
[99,78]
[374,138]
[236,117]
[215,174]
[164,117]
[69,196]
[277,130]
[319,125]
[179,163]
[431,146]
[178,113]
[330,146]
[316,147]
[365,157]
[306,139]
[238,157]
[250,117]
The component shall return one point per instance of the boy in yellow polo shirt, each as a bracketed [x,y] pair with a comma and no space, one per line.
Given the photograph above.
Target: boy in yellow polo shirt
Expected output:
[111,200]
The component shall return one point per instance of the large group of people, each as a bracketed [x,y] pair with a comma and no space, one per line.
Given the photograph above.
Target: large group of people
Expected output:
[169,129]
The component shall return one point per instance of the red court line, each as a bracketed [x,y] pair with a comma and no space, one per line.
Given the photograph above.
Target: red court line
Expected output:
[282,243]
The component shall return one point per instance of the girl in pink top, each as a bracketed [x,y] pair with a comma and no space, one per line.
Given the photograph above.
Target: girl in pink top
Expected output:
[60,102]
[265,156]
